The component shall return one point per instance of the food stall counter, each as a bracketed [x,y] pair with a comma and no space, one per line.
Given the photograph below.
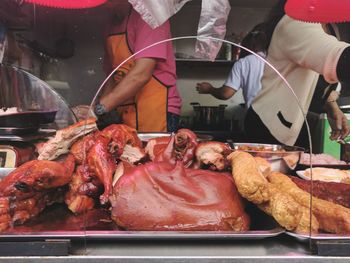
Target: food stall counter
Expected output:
[282,249]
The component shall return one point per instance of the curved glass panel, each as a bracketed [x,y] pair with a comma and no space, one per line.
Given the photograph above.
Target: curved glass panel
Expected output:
[21,91]
[295,153]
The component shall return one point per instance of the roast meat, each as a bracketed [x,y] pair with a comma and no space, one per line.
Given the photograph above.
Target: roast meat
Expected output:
[213,155]
[338,193]
[161,196]
[64,139]
[179,147]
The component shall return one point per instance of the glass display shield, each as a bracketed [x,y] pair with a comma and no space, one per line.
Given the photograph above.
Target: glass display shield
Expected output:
[27,100]
[117,181]
[282,164]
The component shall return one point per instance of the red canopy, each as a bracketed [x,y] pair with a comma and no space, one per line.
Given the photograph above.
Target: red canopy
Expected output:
[70,4]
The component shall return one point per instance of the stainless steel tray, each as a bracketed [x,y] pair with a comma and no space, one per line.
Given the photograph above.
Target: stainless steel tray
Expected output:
[305,237]
[187,235]
[146,235]
[146,136]
[98,225]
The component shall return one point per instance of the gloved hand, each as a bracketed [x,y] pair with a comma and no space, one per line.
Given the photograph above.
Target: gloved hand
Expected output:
[107,119]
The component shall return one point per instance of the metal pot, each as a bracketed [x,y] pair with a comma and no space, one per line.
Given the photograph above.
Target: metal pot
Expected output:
[208,117]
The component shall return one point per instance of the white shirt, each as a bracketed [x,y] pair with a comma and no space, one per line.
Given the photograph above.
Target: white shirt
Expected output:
[246,75]
[300,52]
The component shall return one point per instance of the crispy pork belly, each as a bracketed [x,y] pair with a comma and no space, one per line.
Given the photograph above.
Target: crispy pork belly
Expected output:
[64,138]
[264,165]
[159,196]
[332,218]
[285,201]
[250,181]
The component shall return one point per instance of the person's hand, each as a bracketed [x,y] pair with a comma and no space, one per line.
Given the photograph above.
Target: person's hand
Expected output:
[204,88]
[107,119]
[337,121]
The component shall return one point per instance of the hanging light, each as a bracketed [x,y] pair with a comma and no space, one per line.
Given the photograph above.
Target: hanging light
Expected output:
[69,4]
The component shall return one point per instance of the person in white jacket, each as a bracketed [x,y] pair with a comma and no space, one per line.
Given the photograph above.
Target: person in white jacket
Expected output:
[301,52]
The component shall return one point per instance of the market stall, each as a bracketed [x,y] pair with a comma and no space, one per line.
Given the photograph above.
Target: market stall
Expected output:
[83,192]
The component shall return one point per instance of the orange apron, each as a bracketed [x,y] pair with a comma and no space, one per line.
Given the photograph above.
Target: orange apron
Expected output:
[148,111]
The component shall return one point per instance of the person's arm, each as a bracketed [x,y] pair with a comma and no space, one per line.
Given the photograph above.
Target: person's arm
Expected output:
[222,93]
[128,87]
[336,118]
[310,47]
[343,66]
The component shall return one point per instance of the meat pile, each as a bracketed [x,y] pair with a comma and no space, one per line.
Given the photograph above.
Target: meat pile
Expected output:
[279,196]
[26,191]
[320,159]
[338,193]
[159,196]
[167,194]
[172,183]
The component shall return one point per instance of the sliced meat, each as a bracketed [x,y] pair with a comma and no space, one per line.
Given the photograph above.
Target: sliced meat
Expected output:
[338,193]
[213,155]
[133,154]
[64,138]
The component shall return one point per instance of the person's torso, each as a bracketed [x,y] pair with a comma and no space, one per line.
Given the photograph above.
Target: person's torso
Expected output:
[253,68]
[138,37]
[276,104]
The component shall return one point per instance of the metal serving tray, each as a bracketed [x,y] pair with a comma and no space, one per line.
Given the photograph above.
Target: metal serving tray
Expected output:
[146,136]
[187,235]
[145,235]
[98,225]
[315,237]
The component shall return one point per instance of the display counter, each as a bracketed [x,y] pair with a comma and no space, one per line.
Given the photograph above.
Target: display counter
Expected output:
[281,249]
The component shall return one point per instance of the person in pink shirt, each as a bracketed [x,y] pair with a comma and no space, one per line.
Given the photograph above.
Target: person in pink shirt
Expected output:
[143,90]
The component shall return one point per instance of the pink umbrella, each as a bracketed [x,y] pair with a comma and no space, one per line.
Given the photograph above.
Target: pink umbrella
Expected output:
[319,11]
[69,4]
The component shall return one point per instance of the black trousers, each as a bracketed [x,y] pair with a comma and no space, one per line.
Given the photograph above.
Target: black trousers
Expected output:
[257,132]
[255,129]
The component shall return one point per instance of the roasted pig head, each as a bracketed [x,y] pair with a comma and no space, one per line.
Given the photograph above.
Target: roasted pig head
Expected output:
[37,175]
[160,196]
[180,147]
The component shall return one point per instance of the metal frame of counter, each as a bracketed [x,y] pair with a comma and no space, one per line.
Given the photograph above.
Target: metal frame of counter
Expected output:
[273,250]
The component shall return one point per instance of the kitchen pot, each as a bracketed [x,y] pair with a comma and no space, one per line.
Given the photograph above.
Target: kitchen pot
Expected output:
[208,117]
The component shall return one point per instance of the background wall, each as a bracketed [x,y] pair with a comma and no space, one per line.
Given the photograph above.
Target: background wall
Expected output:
[79,77]
[241,20]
